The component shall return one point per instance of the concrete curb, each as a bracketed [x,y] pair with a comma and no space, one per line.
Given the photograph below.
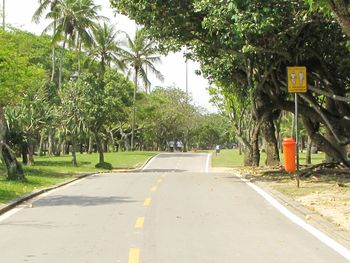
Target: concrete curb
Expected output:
[7,207]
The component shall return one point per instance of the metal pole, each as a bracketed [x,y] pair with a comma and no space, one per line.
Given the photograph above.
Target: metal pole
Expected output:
[187,78]
[3,14]
[296,137]
[186,132]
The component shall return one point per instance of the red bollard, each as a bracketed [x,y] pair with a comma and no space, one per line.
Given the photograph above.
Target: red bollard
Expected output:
[289,154]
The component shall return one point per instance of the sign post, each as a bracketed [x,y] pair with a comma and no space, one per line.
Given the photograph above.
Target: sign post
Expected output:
[297,83]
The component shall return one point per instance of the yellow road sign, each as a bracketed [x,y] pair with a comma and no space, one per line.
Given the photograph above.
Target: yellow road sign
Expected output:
[297,81]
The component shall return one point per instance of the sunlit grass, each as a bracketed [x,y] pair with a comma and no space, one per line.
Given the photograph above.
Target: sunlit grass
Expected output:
[49,171]
[232,158]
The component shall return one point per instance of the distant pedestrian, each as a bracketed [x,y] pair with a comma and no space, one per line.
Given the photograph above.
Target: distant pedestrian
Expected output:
[217,149]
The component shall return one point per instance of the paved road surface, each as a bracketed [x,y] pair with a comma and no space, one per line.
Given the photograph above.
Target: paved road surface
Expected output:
[173,212]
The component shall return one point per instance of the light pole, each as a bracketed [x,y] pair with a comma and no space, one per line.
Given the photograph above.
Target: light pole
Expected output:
[186,132]
[186,79]
[3,15]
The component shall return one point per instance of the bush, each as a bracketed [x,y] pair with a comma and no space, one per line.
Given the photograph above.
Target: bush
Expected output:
[104,165]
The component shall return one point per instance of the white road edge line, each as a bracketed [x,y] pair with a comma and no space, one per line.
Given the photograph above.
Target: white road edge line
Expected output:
[154,157]
[207,164]
[340,249]
[10,213]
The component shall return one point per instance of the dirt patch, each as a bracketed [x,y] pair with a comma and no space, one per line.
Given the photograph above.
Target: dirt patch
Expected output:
[332,204]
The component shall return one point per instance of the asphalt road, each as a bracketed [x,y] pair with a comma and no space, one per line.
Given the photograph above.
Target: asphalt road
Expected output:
[172,212]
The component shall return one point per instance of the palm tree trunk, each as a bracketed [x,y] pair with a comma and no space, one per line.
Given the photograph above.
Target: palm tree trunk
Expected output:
[30,152]
[53,55]
[308,150]
[60,74]
[74,155]
[134,110]
[90,145]
[51,142]
[79,55]
[41,144]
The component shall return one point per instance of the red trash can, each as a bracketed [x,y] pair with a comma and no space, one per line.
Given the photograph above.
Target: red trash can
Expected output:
[289,154]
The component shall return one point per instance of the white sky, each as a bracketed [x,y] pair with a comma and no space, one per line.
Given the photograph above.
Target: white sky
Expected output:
[19,14]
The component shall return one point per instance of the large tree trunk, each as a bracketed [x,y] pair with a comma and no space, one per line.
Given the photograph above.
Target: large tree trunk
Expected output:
[340,9]
[99,148]
[247,150]
[13,168]
[24,152]
[271,146]
[322,143]
[255,147]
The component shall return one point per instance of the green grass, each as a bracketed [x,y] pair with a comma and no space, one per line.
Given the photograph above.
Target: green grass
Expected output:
[227,158]
[49,171]
[231,158]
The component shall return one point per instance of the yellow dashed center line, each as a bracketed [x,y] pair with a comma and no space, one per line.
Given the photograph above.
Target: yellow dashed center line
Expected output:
[134,255]
[147,202]
[154,188]
[139,222]
[159,181]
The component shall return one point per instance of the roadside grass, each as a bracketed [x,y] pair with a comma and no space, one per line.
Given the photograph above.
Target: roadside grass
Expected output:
[49,171]
[231,158]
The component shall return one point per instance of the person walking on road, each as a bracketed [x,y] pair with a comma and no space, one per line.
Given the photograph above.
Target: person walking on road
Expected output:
[217,149]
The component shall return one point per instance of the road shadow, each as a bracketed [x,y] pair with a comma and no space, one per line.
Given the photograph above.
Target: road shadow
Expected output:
[73,200]
[164,171]
[172,155]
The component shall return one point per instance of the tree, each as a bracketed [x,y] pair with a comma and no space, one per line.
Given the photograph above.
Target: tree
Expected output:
[17,75]
[106,101]
[72,111]
[72,20]
[340,9]
[105,47]
[166,115]
[247,45]
[141,53]
[44,5]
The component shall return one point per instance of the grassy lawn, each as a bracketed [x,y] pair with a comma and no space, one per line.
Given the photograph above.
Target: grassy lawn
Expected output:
[231,158]
[52,170]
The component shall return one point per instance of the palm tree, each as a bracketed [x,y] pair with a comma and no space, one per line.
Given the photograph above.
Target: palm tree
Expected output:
[44,5]
[73,20]
[141,55]
[106,47]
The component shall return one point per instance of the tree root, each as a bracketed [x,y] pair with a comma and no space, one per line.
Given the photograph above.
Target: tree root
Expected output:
[333,168]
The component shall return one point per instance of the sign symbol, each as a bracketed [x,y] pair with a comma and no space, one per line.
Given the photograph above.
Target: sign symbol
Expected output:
[301,77]
[292,77]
